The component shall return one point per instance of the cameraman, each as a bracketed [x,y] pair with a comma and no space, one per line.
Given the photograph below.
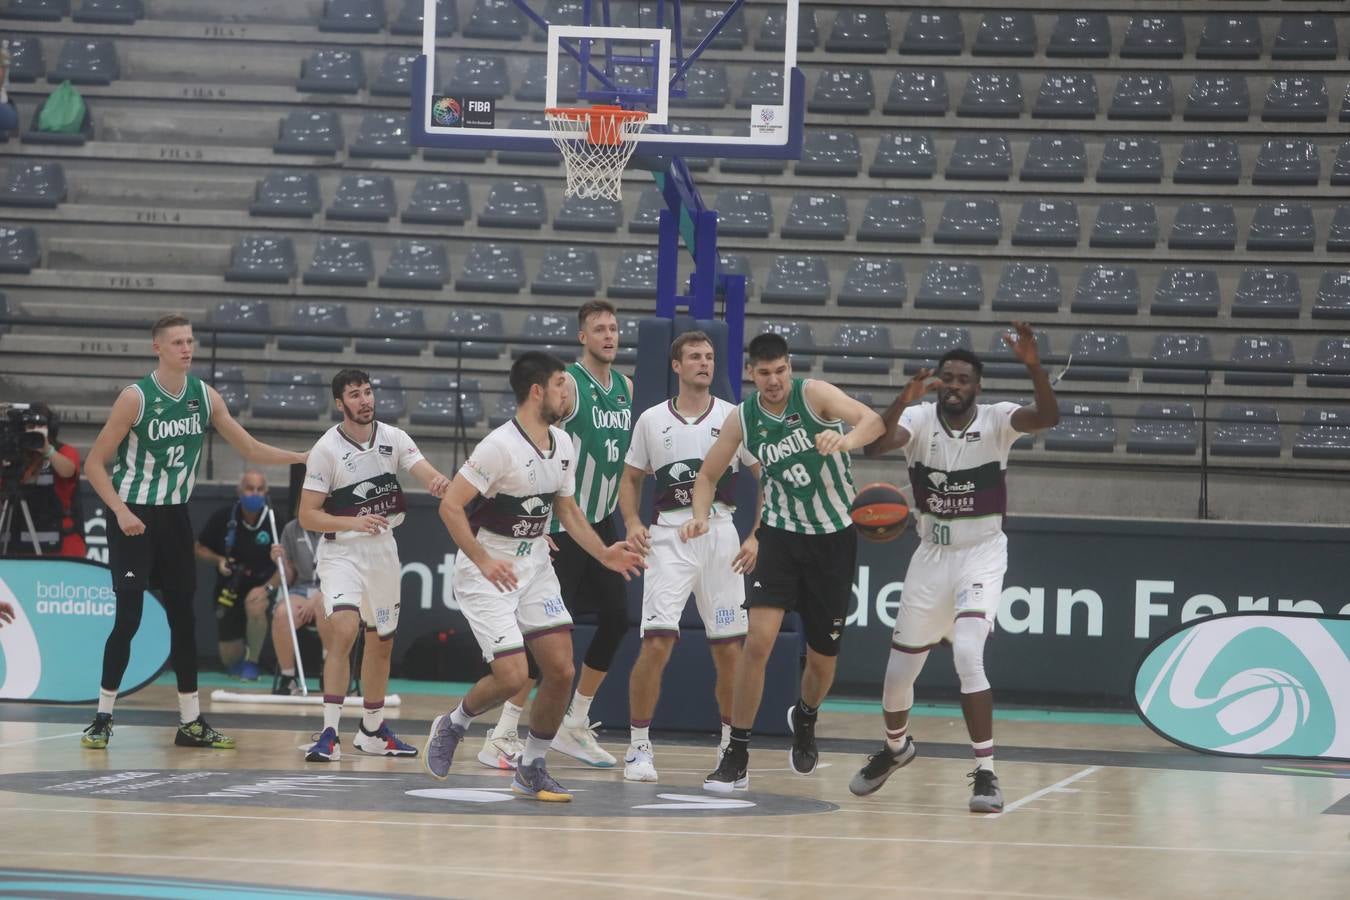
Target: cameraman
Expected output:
[49,473]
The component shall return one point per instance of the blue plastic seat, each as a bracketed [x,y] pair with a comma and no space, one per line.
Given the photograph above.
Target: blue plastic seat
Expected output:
[34,184]
[1186,292]
[859,30]
[816,216]
[1208,161]
[874,281]
[933,341]
[1203,226]
[310,320]
[1218,98]
[830,153]
[382,136]
[1154,37]
[1028,287]
[983,156]
[1099,356]
[479,75]
[1005,34]
[1305,37]
[1323,433]
[1066,95]
[1181,350]
[399,331]
[634,275]
[568,272]
[262,257]
[1131,160]
[365,197]
[499,20]
[492,268]
[449,403]
[332,71]
[1268,293]
[26,63]
[1246,430]
[797,279]
[861,342]
[86,61]
[296,394]
[773,29]
[762,85]
[558,328]
[285,193]
[933,32]
[1125,223]
[892,218]
[1333,296]
[251,314]
[1055,157]
[479,334]
[417,264]
[515,204]
[1230,37]
[1282,226]
[952,285]
[1107,290]
[743,213]
[917,92]
[408,20]
[1168,427]
[354,16]
[312,132]
[1296,98]
[1147,96]
[1085,426]
[1047,222]
[341,260]
[394,78]
[992,94]
[1288,162]
[1080,36]
[38,10]
[699,20]
[908,154]
[437,200]
[843,90]
[969,220]
[1262,350]
[999,361]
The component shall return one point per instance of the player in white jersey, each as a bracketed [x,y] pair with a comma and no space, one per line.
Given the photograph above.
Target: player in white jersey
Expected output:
[353,497]
[669,442]
[957,452]
[514,481]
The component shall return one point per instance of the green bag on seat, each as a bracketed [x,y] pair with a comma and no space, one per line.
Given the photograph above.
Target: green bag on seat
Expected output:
[64,110]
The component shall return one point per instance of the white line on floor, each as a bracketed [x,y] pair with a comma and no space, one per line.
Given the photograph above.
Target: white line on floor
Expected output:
[1043,791]
[50,737]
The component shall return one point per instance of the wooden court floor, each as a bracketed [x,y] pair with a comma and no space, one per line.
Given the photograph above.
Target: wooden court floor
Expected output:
[1093,811]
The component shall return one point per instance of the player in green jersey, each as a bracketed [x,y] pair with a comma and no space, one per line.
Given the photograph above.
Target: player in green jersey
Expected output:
[153,440]
[807,549]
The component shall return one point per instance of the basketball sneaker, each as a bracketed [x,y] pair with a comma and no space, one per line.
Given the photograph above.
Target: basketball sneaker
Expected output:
[245,670]
[534,781]
[730,775]
[327,747]
[97,735]
[501,752]
[986,797]
[381,742]
[286,686]
[879,767]
[198,734]
[578,742]
[803,756]
[639,763]
[439,751]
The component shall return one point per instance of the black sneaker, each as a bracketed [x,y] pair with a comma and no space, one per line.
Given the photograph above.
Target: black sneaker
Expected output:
[879,767]
[729,776]
[286,686]
[96,736]
[198,734]
[986,797]
[803,756]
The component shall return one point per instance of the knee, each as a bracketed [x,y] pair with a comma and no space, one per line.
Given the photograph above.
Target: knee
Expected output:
[255,607]
[563,671]
[614,622]
[657,647]
[969,658]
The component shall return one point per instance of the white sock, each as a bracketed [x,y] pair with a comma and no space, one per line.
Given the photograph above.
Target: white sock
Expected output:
[535,748]
[460,717]
[332,713]
[640,735]
[726,735]
[895,740]
[188,707]
[984,754]
[372,717]
[106,699]
[289,673]
[509,721]
[578,712]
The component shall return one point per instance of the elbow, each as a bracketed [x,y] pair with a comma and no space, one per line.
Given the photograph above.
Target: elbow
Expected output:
[1051,418]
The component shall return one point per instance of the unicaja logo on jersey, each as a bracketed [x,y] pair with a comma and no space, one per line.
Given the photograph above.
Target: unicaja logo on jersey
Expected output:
[681,472]
[533,505]
[937,479]
[171,428]
[362,490]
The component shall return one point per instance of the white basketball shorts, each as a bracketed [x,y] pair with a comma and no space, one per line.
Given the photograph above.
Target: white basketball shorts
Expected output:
[502,621]
[943,584]
[701,567]
[363,574]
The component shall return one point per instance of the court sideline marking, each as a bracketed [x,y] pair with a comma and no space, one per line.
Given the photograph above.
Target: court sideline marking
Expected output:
[1036,795]
[50,737]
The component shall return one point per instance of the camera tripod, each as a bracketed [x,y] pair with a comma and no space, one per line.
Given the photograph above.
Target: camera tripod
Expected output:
[8,503]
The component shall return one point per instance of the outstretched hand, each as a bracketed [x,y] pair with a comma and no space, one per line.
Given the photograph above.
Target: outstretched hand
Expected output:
[623,557]
[918,386]
[1023,345]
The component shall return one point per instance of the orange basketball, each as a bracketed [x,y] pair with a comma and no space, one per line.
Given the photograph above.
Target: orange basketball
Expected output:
[880,512]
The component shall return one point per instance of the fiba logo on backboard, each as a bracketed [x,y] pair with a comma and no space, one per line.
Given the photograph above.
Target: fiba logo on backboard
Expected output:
[447,112]
[463,112]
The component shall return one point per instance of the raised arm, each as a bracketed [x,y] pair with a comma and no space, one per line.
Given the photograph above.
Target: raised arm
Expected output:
[1044,409]
[894,436]
[720,455]
[124,413]
[249,447]
[829,402]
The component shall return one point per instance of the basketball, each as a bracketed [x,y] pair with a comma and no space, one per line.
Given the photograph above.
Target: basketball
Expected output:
[880,512]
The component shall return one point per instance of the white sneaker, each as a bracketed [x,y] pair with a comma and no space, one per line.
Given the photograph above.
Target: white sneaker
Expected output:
[501,752]
[639,763]
[578,742]
[722,747]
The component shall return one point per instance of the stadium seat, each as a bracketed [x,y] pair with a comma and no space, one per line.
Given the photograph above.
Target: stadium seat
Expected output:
[1125,223]
[568,272]
[86,61]
[859,30]
[493,268]
[38,10]
[1096,348]
[647,218]
[634,275]
[969,220]
[950,285]
[391,400]
[1028,287]
[229,383]
[359,16]
[983,156]
[1282,226]
[907,154]
[874,281]
[1080,36]
[1164,428]
[417,264]
[999,361]
[1338,235]
[382,136]
[933,341]
[1218,98]
[1142,97]
[991,94]
[736,264]
[1208,161]
[1005,34]
[534,85]
[400,331]
[1154,37]
[1230,37]
[801,342]
[34,184]
[1066,95]
[743,213]
[1305,37]
[1203,226]
[1085,426]
[448,403]
[437,200]
[753,165]
[1131,160]
[317,316]
[772,31]
[394,77]
[253,314]
[892,218]
[1180,349]
[479,75]
[497,20]
[1268,293]
[515,204]
[917,92]
[341,261]
[408,21]
[1186,292]
[296,394]
[481,332]
[1333,296]
[830,153]
[818,216]
[26,62]
[580,214]
[570,12]
[843,90]
[1055,157]
[1288,162]
[285,193]
[699,20]
[860,342]
[529,121]
[332,71]
[312,132]
[1246,430]
[1296,98]
[262,257]
[366,197]
[933,32]
[1107,290]
[762,84]
[1332,359]
[1323,433]
[19,249]
[1340,169]
[797,279]
[560,329]
[1262,350]
[1047,222]
[705,87]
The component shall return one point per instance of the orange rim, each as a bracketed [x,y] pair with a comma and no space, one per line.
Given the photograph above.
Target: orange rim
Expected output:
[604,123]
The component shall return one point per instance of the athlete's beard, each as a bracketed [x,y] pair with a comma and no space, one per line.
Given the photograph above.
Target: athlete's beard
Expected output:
[358,418]
[959,413]
[550,415]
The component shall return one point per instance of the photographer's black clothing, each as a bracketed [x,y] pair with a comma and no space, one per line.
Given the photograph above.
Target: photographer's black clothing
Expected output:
[249,550]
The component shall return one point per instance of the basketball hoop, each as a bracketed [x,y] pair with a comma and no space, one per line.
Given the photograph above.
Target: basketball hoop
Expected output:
[596,143]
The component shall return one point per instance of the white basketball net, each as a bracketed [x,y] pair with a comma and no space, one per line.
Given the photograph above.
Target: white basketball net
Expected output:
[596,144]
